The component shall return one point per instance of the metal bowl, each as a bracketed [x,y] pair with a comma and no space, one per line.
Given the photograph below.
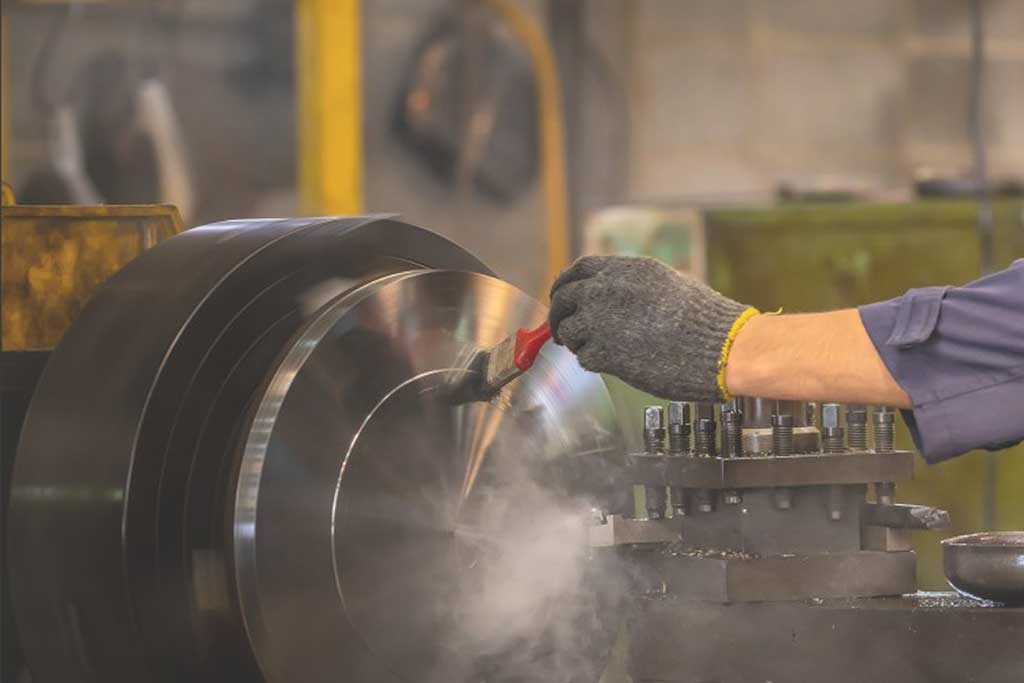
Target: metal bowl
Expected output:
[986,566]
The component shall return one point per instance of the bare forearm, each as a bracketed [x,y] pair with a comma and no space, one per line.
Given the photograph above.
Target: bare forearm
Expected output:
[811,357]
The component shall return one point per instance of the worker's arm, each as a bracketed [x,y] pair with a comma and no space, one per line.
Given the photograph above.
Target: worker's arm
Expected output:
[954,355]
[810,357]
[958,353]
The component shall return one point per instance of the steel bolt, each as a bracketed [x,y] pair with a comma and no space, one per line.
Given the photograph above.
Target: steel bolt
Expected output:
[654,442]
[884,420]
[678,428]
[732,433]
[832,434]
[732,445]
[704,431]
[857,427]
[679,444]
[830,415]
[782,435]
[654,430]
[704,446]
[782,446]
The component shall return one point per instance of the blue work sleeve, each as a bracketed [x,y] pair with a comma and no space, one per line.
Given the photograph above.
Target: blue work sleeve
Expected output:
[958,352]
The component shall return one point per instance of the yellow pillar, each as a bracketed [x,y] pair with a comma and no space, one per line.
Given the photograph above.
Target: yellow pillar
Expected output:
[328,64]
[4,115]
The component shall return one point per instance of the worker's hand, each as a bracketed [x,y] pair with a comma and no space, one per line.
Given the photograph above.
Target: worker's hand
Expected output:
[659,330]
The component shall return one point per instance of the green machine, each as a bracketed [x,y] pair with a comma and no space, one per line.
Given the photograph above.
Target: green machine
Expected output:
[821,256]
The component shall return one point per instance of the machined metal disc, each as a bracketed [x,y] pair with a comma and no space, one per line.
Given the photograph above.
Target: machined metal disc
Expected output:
[385,533]
[236,465]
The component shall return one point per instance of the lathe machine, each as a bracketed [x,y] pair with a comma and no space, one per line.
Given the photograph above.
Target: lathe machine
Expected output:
[243,462]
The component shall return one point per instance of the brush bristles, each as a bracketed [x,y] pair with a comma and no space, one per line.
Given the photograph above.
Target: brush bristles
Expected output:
[501,364]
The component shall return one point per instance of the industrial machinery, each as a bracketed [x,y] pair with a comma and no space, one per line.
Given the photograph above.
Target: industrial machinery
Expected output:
[787,557]
[243,462]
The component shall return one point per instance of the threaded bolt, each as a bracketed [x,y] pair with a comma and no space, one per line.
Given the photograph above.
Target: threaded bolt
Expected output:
[679,444]
[884,420]
[857,427]
[732,433]
[782,435]
[654,430]
[704,438]
[783,447]
[678,428]
[654,442]
[704,431]
[832,434]
[732,446]
[704,446]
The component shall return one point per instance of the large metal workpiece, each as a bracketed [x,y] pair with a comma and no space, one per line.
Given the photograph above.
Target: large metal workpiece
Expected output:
[243,463]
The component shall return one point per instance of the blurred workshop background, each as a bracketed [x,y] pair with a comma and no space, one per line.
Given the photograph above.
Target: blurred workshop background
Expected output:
[794,153]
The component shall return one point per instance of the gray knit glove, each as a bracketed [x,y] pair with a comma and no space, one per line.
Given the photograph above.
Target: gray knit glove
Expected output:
[659,330]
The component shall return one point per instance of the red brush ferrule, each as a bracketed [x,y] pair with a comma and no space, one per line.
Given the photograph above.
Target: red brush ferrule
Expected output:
[529,344]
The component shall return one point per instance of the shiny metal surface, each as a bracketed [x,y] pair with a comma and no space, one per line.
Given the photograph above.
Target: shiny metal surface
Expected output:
[383,533]
[757,412]
[119,539]
[987,566]
[805,440]
[237,466]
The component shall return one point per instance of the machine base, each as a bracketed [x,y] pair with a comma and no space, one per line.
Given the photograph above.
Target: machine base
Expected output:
[926,637]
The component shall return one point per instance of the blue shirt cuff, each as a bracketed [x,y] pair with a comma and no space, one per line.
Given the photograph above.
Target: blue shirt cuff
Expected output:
[958,353]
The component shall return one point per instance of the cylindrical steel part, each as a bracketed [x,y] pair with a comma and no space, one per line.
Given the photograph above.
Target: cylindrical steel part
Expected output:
[654,442]
[885,429]
[757,412]
[172,534]
[833,436]
[678,428]
[857,427]
[732,434]
[654,430]
[704,438]
[782,435]
[832,440]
